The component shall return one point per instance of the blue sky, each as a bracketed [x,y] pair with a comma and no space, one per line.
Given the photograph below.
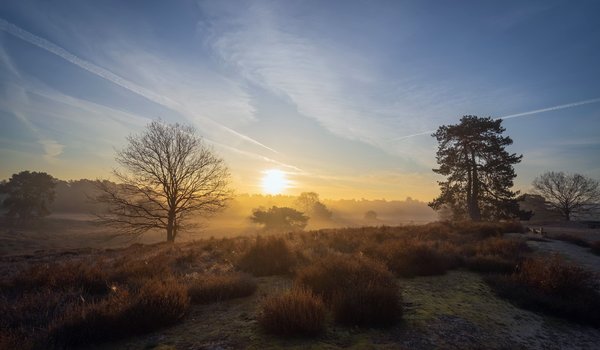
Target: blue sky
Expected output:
[326,91]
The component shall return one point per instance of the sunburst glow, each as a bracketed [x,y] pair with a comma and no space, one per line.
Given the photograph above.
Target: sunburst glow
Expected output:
[274,181]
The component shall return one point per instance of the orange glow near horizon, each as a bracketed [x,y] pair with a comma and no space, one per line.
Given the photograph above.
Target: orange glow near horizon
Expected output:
[274,181]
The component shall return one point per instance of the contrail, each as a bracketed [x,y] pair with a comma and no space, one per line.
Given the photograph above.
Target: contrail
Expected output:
[568,105]
[110,76]
[523,114]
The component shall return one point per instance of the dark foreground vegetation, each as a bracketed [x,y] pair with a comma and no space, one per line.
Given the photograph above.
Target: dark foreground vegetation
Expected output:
[347,277]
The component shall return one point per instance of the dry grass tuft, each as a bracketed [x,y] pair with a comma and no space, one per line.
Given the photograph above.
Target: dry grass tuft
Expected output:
[212,288]
[297,312]
[554,286]
[360,291]
[156,304]
[268,256]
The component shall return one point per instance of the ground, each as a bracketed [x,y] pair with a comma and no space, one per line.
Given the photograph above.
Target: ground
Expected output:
[457,310]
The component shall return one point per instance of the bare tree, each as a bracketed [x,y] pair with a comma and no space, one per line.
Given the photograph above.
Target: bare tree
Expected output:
[569,194]
[166,173]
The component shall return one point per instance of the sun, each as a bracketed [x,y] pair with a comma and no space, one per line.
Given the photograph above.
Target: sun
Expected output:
[274,181]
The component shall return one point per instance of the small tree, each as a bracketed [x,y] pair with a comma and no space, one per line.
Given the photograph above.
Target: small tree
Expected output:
[279,219]
[309,203]
[371,215]
[479,171]
[167,173]
[571,195]
[28,195]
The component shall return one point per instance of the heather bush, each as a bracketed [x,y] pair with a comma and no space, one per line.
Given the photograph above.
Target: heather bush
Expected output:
[297,312]
[88,277]
[268,256]
[554,286]
[156,304]
[411,257]
[359,291]
[211,288]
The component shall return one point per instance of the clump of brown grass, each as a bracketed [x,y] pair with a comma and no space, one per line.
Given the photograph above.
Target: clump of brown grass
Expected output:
[89,277]
[413,257]
[156,304]
[360,291]
[297,312]
[554,286]
[268,256]
[495,254]
[211,288]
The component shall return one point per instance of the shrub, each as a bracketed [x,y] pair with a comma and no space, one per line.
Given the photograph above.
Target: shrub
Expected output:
[297,312]
[89,277]
[268,256]
[158,303]
[489,264]
[412,257]
[135,269]
[360,291]
[211,288]
[508,248]
[552,286]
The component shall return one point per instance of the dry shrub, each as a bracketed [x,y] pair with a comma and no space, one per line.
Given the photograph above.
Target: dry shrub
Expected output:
[133,268]
[489,264]
[268,256]
[555,276]
[360,291]
[495,254]
[412,257]
[297,312]
[88,277]
[572,239]
[211,288]
[554,286]
[508,248]
[156,304]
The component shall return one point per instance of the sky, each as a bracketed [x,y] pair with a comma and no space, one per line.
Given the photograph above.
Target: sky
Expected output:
[340,96]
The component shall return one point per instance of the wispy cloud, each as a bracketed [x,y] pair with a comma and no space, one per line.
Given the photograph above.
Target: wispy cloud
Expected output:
[110,76]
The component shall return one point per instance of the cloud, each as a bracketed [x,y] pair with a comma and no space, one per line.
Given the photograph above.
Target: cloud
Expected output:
[108,75]
[52,149]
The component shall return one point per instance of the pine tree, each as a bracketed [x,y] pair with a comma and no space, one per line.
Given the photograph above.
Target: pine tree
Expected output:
[479,171]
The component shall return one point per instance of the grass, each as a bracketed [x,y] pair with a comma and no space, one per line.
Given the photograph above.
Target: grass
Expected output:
[213,288]
[297,312]
[359,291]
[268,256]
[158,303]
[553,286]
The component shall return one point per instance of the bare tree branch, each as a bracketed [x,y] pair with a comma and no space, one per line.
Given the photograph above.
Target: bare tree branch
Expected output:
[166,173]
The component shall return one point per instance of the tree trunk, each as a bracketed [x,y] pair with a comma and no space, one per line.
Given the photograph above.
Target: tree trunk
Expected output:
[474,211]
[171,227]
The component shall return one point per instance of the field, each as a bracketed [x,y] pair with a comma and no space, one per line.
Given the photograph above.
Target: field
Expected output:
[440,285]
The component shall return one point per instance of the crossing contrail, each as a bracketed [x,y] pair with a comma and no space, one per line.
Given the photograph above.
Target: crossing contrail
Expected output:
[110,76]
[522,114]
